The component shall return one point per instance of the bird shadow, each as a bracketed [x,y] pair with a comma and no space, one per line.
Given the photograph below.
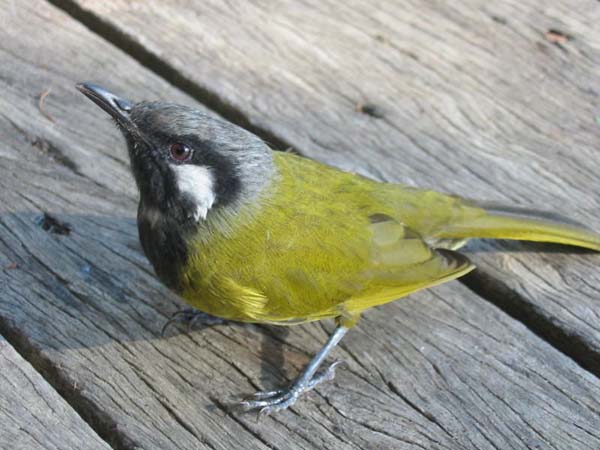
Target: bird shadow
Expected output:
[80,281]
[73,281]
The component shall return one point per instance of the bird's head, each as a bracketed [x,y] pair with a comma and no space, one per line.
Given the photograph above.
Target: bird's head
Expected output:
[186,163]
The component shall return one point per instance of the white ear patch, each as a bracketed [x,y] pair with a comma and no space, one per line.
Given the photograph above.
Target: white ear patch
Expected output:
[196,182]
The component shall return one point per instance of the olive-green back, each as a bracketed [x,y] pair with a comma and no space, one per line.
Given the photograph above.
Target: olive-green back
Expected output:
[322,243]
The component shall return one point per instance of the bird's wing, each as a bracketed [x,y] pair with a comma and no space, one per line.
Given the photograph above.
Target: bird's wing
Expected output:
[401,262]
[338,244]
[323,244]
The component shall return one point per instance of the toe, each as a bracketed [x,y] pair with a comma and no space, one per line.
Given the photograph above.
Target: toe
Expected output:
[268,402]
[249,405]
[326,375]
[268,394]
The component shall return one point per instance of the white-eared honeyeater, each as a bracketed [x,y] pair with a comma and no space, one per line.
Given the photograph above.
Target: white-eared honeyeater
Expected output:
[248,234]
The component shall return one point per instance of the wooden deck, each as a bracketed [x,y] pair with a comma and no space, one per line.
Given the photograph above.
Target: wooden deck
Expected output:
[497,101]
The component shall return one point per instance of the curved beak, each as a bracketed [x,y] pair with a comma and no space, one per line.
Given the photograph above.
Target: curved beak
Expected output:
[117,107]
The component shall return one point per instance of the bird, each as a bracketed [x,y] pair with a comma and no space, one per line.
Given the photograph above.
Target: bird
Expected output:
[245,233]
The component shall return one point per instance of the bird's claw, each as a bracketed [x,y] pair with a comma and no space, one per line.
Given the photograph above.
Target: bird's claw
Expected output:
[326,375]
[265,404]
[265,394]
[191,317]
[268,402]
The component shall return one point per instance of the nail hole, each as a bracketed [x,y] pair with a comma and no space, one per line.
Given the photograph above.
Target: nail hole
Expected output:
[500,20]
[370,110]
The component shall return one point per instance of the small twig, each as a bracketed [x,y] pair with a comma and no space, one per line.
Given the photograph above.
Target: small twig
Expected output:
[41,101]
[557,37]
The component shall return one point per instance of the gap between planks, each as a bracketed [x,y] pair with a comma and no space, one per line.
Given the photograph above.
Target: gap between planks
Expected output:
[98,420]
[432,420]
[33,413]
[166,71]
[481,282]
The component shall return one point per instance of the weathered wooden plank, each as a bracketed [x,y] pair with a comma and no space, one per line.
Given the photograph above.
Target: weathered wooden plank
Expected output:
[33,415]
[479,99]
[443,369]
[440,369]
[35,70]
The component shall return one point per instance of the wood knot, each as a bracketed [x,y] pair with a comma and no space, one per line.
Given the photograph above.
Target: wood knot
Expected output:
[370,110]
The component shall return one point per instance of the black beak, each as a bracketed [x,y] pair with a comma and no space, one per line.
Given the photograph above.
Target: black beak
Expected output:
[117,107]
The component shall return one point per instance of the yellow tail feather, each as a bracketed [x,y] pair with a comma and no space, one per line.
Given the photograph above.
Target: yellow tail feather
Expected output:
[501,222]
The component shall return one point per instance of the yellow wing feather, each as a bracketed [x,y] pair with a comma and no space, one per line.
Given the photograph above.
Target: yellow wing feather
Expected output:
[325,243]
[314,249]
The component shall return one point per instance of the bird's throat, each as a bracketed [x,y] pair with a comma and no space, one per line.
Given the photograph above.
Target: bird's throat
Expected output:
[164,239]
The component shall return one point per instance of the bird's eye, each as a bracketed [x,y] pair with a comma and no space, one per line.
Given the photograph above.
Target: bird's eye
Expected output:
[180,152]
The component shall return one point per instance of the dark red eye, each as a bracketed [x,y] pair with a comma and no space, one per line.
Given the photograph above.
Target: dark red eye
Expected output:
[180,152]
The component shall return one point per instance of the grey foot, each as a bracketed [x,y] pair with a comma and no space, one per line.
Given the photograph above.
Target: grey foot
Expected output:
[191,317]
[267,402]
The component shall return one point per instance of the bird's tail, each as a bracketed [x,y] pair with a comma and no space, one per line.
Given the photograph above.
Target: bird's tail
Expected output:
[502,222]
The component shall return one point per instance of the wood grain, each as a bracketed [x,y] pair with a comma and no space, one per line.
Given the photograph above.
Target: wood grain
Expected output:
[442,369]
[479,99]
[33,414]
[33,66]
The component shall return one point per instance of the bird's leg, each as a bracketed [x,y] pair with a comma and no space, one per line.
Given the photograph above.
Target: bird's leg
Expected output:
[268,402]
[191,317]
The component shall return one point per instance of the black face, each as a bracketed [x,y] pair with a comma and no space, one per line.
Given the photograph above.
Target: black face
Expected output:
[168,140]
[166,143]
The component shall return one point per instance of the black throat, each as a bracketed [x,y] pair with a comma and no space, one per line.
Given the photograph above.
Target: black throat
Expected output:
[165,219]
[164,239]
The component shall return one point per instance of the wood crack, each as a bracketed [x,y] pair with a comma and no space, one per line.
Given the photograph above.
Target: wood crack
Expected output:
[167,71]
[429,417]
[241,423]
[100,421]
[497,292]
